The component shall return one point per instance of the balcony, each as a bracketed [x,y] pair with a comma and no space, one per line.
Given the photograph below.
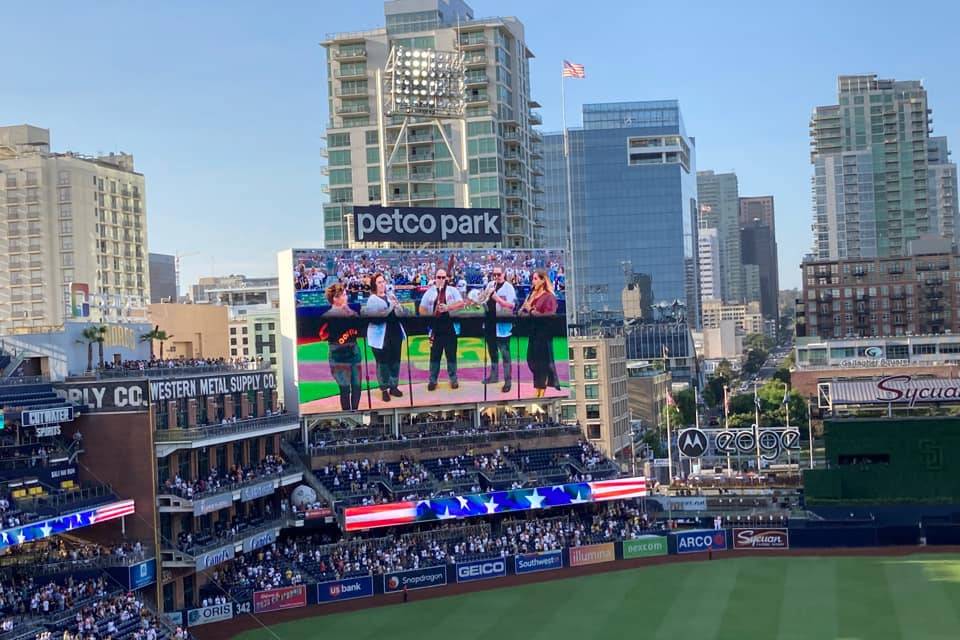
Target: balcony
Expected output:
[535,118]
[933,282]
[471,41]
[214,550]
[350,53]
[169,440]
[353,107]
[420,157]
[200,503]
[349,72]
[475,98]
[351,92]
[475,59]
[536,151]
[473,80]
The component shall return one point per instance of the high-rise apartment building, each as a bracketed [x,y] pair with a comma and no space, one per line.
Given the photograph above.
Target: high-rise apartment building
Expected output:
[709,256]
[871,184]
[942,187]
[163,278]
[632,170]
[719,199]
[420,162]
[73,234]
[894,296]
[758,253]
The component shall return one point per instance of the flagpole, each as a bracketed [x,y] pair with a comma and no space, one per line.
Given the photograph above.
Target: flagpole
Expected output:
[756,426]
[669,448]
[726,423]
[571,283]
[786,404]
[810,430]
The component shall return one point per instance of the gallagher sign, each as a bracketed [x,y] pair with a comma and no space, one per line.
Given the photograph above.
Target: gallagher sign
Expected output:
[424,224]
[702,540]
[761,539]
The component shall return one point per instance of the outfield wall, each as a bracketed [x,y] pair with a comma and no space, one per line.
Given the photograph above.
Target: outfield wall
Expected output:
[288,603]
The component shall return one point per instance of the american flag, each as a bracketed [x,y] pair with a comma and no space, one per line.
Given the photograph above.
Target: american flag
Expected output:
[113,511]
[617,489]
[379,515]
[573,70]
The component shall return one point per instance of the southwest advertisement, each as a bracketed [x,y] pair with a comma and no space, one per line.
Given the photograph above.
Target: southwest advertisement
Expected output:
[645,547]
[388,328]
[535,562]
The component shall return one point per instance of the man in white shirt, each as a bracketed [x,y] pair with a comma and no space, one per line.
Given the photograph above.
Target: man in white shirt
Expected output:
[496,330]
[438,302]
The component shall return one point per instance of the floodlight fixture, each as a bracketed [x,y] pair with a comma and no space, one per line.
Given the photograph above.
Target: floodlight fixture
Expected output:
[425,82]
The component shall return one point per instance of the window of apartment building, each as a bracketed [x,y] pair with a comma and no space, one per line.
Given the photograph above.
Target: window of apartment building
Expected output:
[593,411]
[371,137]
[11,181]
[339,157]
[63,194]
[66,211]
[31,177]
[66,227]
[589,353]
[66,259]
[593,431]
[924,348]
[590,372]
[591,391]
[568,412]
[338,140]
[66,243]
[63,178]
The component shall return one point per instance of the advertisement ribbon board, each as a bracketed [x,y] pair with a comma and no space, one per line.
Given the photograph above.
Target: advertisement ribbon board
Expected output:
[592,554]
[415,579]
[645,547]
[280,599]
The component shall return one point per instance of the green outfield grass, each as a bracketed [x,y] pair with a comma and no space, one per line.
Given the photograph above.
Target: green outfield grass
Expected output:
[777,598]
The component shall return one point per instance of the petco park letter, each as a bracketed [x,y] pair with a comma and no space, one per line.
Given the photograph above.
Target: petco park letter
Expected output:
[420,224]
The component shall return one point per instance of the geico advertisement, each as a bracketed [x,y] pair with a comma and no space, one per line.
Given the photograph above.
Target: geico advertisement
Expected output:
[415,579]
[481,570]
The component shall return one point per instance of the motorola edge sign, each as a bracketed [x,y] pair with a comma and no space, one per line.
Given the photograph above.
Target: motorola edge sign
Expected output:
[424,224]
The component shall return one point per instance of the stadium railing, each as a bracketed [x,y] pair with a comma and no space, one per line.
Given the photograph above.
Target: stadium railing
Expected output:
[223,429]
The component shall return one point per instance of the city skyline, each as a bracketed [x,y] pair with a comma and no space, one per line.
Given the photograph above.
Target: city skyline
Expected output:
[257,163]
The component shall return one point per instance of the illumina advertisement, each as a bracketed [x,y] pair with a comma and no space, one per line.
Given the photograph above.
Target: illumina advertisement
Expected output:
[389,328]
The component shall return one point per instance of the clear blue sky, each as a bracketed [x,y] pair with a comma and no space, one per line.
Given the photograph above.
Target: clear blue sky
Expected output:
[223,103]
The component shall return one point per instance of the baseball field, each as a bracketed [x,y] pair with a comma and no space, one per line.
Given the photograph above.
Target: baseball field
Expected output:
[869,597]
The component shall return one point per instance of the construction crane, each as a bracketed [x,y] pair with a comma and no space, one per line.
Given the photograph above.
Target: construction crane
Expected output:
[176,267]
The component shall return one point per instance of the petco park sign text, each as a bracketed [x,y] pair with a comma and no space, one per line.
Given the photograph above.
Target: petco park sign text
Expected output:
[422,224]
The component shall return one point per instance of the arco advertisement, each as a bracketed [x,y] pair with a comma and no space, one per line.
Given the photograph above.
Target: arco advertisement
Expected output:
[701,540]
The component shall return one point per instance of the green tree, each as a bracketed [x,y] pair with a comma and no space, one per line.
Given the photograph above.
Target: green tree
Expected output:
[686,403]
[89,336]
[157,334]
[757,341]
[754,361]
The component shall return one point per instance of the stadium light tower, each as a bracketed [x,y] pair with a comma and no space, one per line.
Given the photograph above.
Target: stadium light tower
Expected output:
[421,85]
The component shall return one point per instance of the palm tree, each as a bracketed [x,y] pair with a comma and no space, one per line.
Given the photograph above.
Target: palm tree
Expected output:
[101,338]
[157,334]
[89,336]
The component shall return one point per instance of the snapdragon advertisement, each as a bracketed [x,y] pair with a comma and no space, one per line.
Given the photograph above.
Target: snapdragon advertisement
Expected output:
[390,328]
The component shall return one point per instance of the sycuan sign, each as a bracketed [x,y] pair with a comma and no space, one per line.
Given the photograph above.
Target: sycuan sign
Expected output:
[902,389]
[425,224]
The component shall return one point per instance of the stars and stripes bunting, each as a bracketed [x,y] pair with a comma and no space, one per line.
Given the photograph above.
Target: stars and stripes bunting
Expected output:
[481,504]
[113,511]
[573,70]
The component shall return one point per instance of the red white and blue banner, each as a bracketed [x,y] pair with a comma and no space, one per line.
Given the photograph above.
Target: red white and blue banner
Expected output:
[482,504]
[62,524]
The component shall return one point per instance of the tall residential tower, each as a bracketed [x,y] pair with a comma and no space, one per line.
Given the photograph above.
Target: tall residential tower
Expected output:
[871,184]
[719,198]
[73,234]
[420,162]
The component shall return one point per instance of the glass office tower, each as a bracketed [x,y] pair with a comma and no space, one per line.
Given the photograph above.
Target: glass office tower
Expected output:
[633,189]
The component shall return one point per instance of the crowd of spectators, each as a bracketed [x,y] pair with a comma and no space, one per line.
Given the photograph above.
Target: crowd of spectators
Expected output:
[237,474]
[343,435]
[180,363]
[224,530]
